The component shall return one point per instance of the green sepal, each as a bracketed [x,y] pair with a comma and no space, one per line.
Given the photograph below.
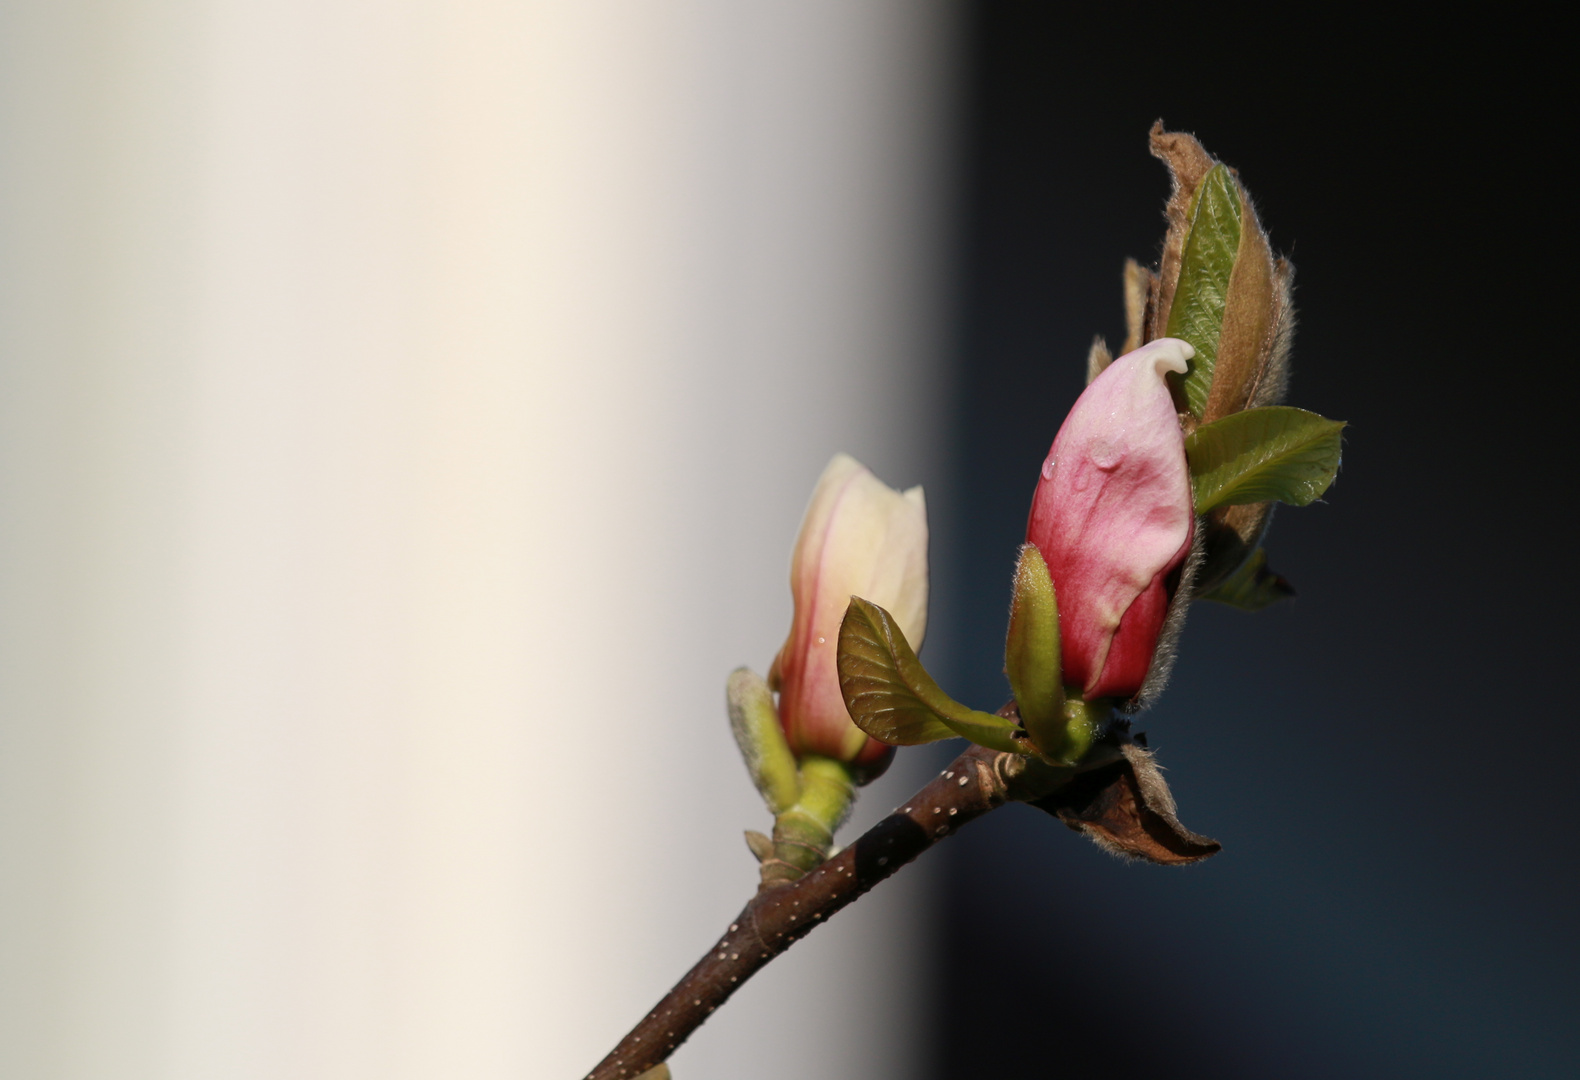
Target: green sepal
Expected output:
[1206,263]
[1082,723]
[760,845]
[1031,652]
[1252,587]
[761,739]
[1275,453]
[891,697]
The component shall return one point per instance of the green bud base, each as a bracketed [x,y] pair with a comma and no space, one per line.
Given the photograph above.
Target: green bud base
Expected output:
[804,834]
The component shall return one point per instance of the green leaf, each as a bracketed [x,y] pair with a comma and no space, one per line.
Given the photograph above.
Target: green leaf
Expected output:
[891,697]
[1206,264]
[761,739]
[1252,587]
[1276,453]
[877,694]
[1031,652]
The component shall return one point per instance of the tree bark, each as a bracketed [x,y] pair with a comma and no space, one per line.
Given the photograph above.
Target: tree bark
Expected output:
[779,915]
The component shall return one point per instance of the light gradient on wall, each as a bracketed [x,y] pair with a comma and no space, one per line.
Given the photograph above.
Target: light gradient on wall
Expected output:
[405,414]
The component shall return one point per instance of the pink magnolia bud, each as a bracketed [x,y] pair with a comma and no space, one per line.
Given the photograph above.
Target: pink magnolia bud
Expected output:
[860,537]
[1112,517]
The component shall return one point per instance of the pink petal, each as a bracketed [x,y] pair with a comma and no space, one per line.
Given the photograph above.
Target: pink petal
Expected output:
[1112,516]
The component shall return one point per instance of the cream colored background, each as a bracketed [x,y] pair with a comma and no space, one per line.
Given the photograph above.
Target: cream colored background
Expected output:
[405,413]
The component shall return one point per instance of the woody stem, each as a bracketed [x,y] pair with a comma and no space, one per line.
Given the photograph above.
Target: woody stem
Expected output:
[974,783]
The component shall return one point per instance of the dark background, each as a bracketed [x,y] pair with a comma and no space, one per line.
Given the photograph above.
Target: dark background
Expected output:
[1389,760]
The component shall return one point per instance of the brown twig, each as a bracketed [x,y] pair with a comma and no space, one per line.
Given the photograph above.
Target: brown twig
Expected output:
[1116,796]
[975,782]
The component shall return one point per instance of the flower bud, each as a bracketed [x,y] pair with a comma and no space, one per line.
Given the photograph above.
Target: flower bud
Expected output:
[1219,287]
[859,538]
[1113,519]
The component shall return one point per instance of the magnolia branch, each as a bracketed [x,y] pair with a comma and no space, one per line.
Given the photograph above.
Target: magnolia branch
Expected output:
[1206,449]
[977,781]
[1116,796]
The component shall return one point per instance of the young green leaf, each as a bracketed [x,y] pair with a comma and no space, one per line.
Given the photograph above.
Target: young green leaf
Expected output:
[877,694]
[1275,453]
[891,697]
[1031,652]
[1206,264]
[1252,587]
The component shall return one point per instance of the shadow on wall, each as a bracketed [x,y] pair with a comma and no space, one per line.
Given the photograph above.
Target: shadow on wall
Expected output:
[1381,757]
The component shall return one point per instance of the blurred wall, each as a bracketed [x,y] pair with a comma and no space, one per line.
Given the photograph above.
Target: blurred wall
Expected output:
[405,413]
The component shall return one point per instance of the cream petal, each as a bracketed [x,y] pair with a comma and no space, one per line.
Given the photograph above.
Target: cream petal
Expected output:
[859,538]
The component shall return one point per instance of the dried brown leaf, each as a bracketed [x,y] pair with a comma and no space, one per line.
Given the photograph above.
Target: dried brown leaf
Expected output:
[1126,808]
[1097,358]
[1140,285]
[1244,342]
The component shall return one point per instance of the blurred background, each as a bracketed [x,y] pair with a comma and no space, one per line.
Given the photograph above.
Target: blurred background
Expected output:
[406,410]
